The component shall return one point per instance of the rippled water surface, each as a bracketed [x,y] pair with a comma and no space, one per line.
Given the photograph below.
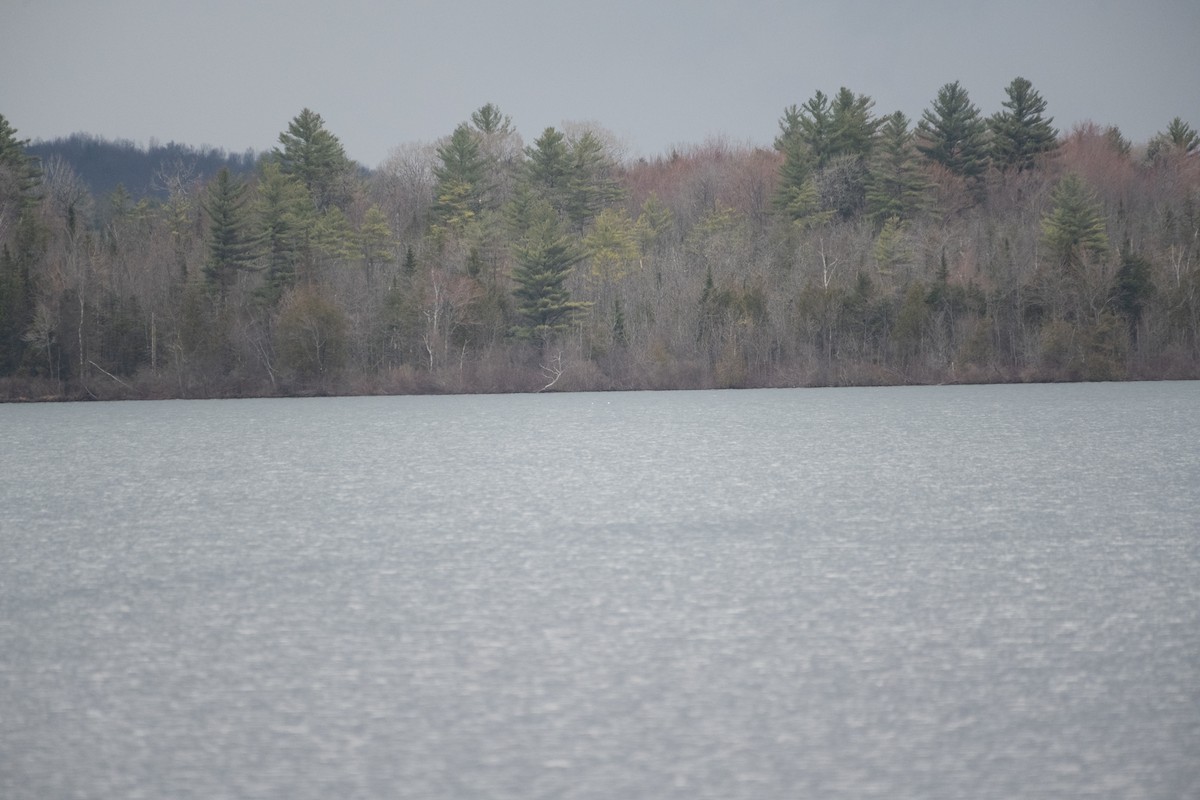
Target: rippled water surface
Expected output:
[987,592]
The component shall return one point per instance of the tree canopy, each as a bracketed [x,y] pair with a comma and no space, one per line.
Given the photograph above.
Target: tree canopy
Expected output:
[952,133]
[858,250]
[1074,229]
[315,156]
[1021,133]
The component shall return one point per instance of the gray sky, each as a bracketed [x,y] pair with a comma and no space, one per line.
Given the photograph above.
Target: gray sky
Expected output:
[657,73]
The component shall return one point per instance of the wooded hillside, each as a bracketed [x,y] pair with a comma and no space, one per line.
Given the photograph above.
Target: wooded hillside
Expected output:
[860,249]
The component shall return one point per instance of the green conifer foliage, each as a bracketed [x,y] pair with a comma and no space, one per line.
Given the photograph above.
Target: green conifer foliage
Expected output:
[824,144]
[1117,140]
[612,245]
[16,310]
[461,179]
[543,263]
[1074,228]
[20,250]
[1021,134]
[619,335]
[653,224]
[231,245]
[1183,135]
[592,183]
[12,149]
[500,145]
[796,197]
[1132,288]
[897,185]
[804,141]
[815,128]
[1179,137]
[952,133]
[548,168]
[853,127]
[286,217]
[375,240]
[488,120]
[315,156]
[522,211]
[19,173]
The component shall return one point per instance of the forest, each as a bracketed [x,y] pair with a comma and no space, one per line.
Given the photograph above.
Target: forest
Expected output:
[103,165]
[861,249]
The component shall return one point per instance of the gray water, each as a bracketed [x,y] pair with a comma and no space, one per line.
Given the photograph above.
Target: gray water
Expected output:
[984,592]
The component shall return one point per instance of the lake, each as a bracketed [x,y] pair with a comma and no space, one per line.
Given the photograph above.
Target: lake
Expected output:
[925,592]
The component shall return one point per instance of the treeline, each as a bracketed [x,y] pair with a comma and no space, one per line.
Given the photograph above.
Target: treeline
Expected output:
[105,165]
[860,249]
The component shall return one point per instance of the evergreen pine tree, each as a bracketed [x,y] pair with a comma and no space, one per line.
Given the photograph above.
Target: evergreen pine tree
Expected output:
[21,248]
[1133,287]
[952,133]
[852,127]
[1179,136]
[653,224]
[796,197]
[709,307]
[489,121]
[16,310]
[500,146]
[286,219]
[1020,133]
[1117,140]
[315,156]
[1182,135]
[548,168]
[896,186]
[375,240]
[409,267]
[815,128]
[461,178]
[12,149]
[522,211]
[618,328]
[231,245]
[1074,228]
[592,184]
[824,145]
[543,262]
[19,174]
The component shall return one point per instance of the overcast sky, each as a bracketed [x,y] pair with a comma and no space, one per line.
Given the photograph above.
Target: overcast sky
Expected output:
[657,73]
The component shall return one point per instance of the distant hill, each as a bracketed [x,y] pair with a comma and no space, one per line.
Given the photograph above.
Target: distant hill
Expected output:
[103,164]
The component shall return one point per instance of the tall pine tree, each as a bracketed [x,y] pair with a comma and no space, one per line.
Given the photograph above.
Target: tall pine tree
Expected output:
[896,186]
[22,244]
[592,184]
[19,174]
[544,260]
[501,148]
[825,144]
[461,175]
[286,220]
[548,168]
[814,127]
[1074,229]
[315,156]
[1021,134]
[796,198]
[853,127]
[231,244]
[952,133]
[1178,137]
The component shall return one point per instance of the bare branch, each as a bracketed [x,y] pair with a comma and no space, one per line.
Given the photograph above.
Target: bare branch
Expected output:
[554,370]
